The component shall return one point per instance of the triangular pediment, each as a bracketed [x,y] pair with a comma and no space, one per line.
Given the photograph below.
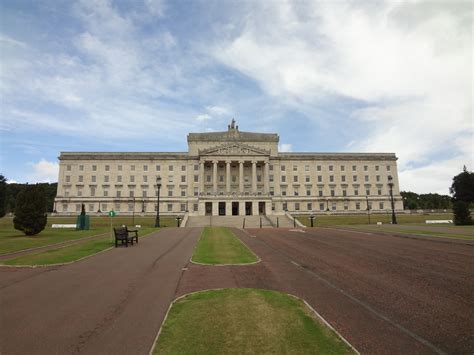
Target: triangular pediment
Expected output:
[234,149]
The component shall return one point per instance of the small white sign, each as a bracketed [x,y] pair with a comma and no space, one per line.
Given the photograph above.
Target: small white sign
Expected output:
[63,226]
[138,225]
[379,223]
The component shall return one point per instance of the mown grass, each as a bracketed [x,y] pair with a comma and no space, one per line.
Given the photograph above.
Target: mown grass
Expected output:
[245,321]
[339,220]
[218,245]
[12,240]
[70,253]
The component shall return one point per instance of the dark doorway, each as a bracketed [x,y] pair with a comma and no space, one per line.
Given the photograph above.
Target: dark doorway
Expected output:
[248,208]
[221,208]
[208,208]
[235,208]
[261,208]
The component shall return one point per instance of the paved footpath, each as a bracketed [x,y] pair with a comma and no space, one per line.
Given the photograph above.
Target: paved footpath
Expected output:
[384,294]
[111,303]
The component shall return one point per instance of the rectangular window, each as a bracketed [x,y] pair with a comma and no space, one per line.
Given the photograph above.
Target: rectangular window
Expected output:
[318,168]
[106,193]
[283,192]
[144,193]
[356,192]
[295,167]
[196,178]
[379,192]
[119,167]
[170,178]
[221,178]
[68,178]
[145,167]
[170,167]
[366,178]
[183,178]
[208,178]
[321,206]
[308,192]
[285,206]
[354,178]
[283,178]
[381,205]
[132,167]
[93,178]
[107,167]
[158,168]
[119,193]
[131,193]
[282,168]
[333,206]
[343,178]
[367,192]
[170,207]
[130,207]
[272,191]
[183,192]
[377,178]
[94,167]
[196,167]
[320,193]
[270,167]
[388,167]
[306,168]
[297,206]
[182,207]
[92,192]
[295,178]
[132,178]
[333,193]
[366,168]
[331,178]
[68,167]
[81,167]
[320,178]
[330,167]
[344,193]
[376,168]
[270,178]
[119,178]
[343,168]
[170,193]
[309,206]
[354,167]
[81,178]
[296,192]
[357,205]
[307,178]
[183,167]
[145,178]
[196,207]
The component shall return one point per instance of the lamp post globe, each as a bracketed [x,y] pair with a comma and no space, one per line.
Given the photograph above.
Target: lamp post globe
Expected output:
[390,185]
[158,187]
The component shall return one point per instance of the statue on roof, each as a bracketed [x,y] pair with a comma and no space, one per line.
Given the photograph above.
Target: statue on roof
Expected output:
[232,125]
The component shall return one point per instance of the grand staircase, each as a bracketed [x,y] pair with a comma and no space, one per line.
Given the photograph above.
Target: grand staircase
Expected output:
[238,221]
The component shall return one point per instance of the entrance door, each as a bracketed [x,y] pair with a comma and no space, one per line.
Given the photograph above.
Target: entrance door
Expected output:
[221,208]
[248,208]
[235,208]
[261,208]
[208,208]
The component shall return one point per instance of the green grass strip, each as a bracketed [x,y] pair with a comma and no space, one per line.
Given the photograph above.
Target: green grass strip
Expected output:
[70,253]
[245,321]
[218,245]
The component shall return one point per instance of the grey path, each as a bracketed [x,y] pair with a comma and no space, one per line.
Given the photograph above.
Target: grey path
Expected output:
[112,303]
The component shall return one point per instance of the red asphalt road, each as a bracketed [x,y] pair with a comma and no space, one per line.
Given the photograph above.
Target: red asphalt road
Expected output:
[384,294]
[111,303]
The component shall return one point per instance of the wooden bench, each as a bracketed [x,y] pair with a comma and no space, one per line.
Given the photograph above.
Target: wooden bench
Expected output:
[122,234]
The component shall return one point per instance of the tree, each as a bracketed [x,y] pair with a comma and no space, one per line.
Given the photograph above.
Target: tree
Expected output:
[30,210]
[3,195]
[463,195]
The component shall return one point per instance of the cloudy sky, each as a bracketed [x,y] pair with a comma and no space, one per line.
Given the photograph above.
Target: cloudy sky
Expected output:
[357,76]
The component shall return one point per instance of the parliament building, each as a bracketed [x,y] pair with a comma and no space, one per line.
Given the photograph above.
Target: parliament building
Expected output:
[227,173]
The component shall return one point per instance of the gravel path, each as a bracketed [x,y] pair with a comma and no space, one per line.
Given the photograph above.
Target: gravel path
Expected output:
[112,303]
[384,294]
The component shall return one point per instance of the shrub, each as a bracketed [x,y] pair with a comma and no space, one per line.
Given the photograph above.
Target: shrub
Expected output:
[462,215]
[30,210]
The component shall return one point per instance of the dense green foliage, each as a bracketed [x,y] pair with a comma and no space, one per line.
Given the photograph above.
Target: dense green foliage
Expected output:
[3,195]
[30,210]
[414,201]
[463,196]
[12,191]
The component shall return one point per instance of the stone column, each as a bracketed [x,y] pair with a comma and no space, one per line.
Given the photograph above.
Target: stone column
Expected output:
[265,178]
[254,176]
[241,177]
[227,176]
[214,176]
[201,177]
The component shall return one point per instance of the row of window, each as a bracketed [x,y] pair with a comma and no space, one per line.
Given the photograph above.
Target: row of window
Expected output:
[342,168]
[170,207]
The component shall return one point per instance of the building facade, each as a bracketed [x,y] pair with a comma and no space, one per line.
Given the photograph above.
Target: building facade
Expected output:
[227,173]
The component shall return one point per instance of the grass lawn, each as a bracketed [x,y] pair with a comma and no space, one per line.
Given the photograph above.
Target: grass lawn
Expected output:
[218,245]
[12,240]
[335,220]
[245,321]
[70,253]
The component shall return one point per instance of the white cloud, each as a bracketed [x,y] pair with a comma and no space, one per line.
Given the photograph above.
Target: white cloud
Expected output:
[8,40]
[284,147]
[203,117]
[408,64]
[217,110]
[44,171]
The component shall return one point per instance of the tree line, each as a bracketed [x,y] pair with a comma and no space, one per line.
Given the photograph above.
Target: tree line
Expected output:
[414,201]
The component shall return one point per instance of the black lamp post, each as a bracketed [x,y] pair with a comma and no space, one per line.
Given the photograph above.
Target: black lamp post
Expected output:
[133,212]
[368,207]
[99,211]
[327,205]
[143,206]
[390,184]
[158,186]
[311,218]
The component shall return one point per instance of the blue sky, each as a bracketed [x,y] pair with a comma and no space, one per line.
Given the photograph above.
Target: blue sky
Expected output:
[327,76]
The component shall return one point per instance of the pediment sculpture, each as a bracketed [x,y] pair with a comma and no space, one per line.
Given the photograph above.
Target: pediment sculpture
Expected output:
[234,149]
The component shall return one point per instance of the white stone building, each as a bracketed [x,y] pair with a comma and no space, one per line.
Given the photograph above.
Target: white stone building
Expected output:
[227,173]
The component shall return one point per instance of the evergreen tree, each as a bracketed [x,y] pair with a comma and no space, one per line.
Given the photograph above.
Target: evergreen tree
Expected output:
[30,210]
[3,195]
[463,195]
